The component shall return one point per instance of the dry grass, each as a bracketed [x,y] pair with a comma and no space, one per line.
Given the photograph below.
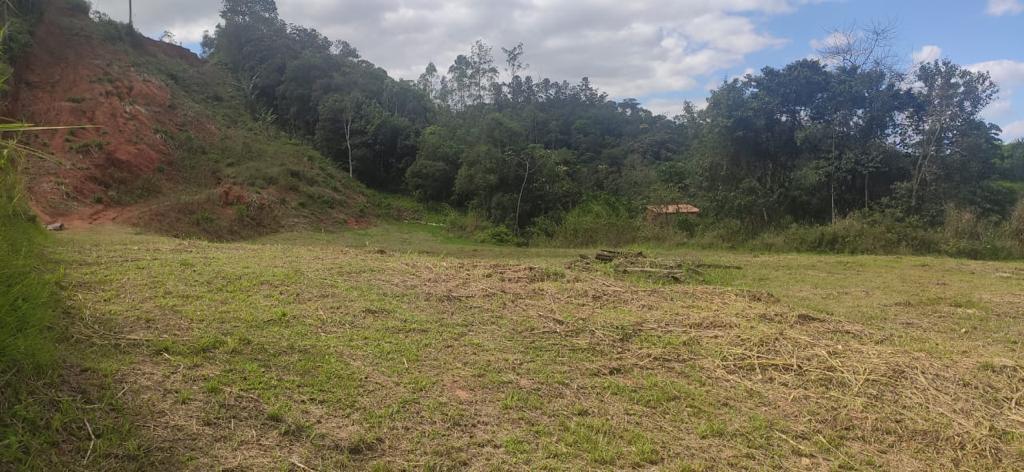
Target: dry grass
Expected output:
[312,352]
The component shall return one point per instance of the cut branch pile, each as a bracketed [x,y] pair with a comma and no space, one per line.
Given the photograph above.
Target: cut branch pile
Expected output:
[636,263]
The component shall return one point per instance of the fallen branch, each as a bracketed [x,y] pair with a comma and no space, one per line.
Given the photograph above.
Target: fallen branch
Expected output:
[92,441]
[300,465]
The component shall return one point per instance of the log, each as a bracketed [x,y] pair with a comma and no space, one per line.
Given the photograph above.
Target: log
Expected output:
[607,255]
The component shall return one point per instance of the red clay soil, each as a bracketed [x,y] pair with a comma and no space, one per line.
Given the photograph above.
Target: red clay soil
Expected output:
[72,78]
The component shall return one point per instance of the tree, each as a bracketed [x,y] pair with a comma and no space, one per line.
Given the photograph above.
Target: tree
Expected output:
[430,82]
[514,61]
[867,47]
[249,11]
[169,38]
[432,176]
[948,102]
[343,117]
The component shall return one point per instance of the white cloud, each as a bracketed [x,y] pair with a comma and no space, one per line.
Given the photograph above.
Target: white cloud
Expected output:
[628,48]
[928,53]
[717,82]
[1004,7]
[1005,72]
[1013,131]
[832,39]
[1009,75]
[671,107]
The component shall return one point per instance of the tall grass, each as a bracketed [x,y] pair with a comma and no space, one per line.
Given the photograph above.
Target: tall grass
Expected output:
[29,299]
[27,286]
[965,233]
[28,302]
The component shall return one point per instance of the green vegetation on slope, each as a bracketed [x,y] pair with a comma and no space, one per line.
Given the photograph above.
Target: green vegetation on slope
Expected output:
[28,291]
[398,347]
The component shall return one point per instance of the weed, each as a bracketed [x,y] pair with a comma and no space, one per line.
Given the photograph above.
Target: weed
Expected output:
[90,146]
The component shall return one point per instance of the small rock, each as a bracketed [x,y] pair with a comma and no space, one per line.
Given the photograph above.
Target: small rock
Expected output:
[55,227]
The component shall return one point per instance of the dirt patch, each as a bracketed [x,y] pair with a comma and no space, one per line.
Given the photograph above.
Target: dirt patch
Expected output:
[72,78]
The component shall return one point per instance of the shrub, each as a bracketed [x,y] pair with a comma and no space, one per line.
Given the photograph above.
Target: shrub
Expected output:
[498,235]
[1015,225]
[858,234]
[600,220]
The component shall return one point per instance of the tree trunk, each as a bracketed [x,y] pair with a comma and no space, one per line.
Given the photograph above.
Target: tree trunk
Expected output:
[522,190]
[866,200]
[832,193]
[832,177]
[348,144]
[922,164]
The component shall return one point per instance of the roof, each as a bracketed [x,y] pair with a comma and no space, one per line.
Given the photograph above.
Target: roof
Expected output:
[675,209]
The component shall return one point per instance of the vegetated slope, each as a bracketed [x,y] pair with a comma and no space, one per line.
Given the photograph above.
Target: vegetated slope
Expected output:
[173,147]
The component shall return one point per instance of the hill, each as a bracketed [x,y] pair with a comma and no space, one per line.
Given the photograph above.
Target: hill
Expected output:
[171,147]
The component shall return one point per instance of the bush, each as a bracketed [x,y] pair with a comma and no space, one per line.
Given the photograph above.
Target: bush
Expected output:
[1015,225]
[474,225]
[858,234]
[963,234]
[599,221]
[498,235]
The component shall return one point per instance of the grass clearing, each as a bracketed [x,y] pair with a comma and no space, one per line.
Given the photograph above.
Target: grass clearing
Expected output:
[399,348]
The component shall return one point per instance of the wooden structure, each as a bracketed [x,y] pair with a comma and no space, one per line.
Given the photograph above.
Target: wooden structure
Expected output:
[674,209]
[664,213]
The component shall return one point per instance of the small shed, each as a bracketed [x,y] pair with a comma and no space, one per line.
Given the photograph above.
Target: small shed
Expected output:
[664,212]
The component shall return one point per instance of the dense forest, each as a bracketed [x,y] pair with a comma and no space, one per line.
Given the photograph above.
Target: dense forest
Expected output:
[815,142]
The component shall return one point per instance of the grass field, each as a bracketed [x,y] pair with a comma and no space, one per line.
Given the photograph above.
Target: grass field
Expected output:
[397,348]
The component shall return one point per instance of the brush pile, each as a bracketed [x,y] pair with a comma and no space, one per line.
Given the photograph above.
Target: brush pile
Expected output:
[637,264]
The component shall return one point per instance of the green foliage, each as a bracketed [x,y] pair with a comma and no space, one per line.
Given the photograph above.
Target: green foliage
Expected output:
[1015,225]
[799,147]
[964,234]
[867,234]
[27,280]
[27,284]
[29,299]
[602,220]
[359,117]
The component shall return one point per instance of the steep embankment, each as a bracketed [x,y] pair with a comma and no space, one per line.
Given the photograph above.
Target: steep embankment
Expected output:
[171,145]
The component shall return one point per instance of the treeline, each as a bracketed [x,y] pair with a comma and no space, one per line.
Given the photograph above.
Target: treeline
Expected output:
[811,143]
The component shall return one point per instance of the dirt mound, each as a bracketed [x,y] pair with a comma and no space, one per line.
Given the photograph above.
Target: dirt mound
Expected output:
[72,77]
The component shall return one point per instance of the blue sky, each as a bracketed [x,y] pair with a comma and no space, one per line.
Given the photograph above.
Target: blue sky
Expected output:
[659,51]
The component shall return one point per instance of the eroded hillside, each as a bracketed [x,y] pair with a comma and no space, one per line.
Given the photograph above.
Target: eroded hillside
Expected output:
[170,144]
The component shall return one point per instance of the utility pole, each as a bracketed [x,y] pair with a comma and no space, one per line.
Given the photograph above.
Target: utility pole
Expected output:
[131,23]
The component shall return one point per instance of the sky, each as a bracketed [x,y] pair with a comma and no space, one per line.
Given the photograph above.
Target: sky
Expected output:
[662,52]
